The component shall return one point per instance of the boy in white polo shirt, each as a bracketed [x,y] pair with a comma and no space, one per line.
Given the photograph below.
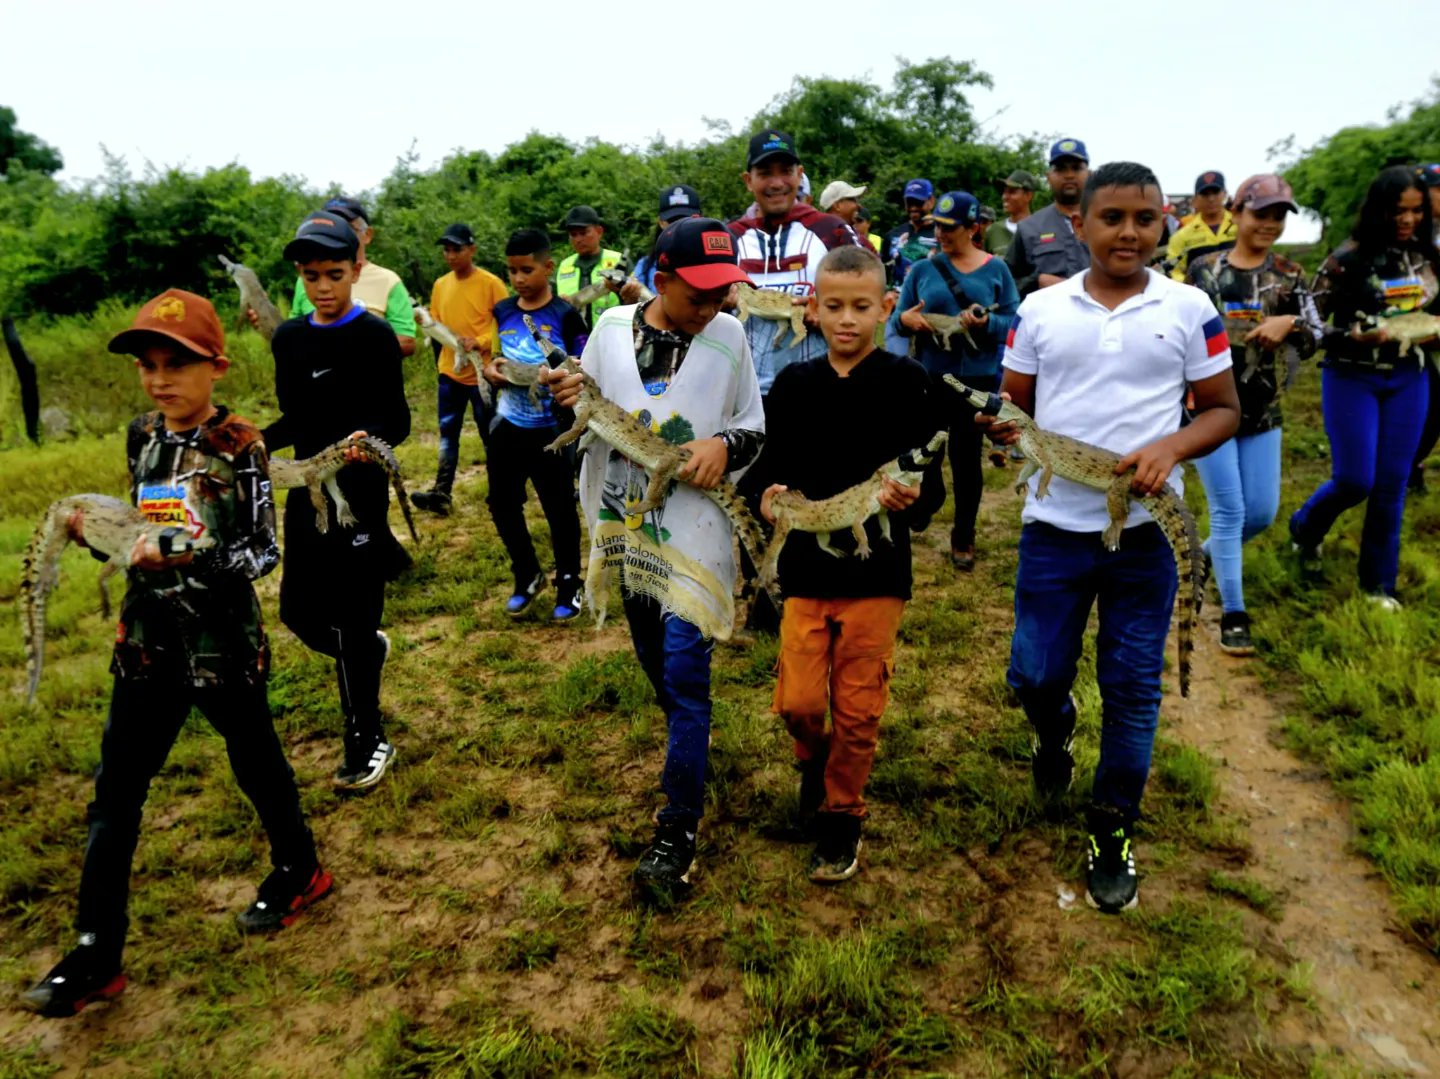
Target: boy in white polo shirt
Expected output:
[1106,357]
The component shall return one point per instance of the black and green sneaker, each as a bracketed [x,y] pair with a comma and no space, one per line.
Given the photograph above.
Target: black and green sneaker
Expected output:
[1110,883]
[1052,768]
[1235,634]
[663,874]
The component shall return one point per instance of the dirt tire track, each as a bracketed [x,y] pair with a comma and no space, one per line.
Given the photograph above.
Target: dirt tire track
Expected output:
[1375,993]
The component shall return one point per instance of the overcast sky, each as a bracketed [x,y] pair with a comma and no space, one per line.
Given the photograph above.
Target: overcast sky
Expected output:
[336,92]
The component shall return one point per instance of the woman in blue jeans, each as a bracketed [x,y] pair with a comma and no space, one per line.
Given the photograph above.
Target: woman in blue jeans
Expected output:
[1374,398]
[1272,324]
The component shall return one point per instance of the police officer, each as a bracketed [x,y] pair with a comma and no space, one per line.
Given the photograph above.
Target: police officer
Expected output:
[578,270]
[1046,250]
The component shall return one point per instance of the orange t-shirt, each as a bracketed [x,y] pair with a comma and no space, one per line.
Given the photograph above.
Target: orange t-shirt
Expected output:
[467,307]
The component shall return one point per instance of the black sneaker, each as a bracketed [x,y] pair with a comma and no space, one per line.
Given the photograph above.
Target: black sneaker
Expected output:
[1110,884]
[963,558]
[1051,773]
[812,790]
[1308,554]
[436,502]
[837,853]
[664,869]
[82,977]
[363,768]
[569,598]
[283,895]
[525,593]
[1235,634]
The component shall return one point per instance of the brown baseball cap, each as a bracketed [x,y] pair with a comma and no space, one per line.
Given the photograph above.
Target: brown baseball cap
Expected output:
[1266,189]
[179,316]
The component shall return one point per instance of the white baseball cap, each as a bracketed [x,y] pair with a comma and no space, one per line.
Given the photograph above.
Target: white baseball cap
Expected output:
[836,190]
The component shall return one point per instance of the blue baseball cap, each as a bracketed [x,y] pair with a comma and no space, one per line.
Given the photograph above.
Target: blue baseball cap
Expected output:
[920,190]
[1069,148]
[1429,175]
[956,208]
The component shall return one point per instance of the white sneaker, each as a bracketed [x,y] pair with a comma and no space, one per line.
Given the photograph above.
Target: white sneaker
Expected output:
[385,640]
[1384,602]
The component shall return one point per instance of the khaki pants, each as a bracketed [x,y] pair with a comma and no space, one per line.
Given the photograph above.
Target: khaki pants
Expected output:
[837,654]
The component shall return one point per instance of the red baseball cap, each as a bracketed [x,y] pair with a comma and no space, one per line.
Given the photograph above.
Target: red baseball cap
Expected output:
[701,251]
[178,316]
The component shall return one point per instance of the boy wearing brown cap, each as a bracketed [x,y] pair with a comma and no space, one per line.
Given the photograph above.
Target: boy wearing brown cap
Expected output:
[338,371]
[189,635]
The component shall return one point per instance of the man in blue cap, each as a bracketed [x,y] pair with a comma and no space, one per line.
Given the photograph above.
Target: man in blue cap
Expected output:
[1210,228]
[913,240]
[1046,250]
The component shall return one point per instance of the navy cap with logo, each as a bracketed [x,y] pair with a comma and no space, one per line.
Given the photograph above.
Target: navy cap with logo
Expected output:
[956,208]
[348,208]
[580,217]
[919,190]
[458,235]
[1069,148]
[701,251]
[323,235]
[770,143]
[679,201]
[1429,175]
[1209,181]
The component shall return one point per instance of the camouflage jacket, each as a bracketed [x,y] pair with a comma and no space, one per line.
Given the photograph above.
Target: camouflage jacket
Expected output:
[1275,287]
[1351,282]
[200,623]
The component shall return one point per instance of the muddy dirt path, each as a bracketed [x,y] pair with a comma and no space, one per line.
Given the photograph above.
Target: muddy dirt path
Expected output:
[1377,996]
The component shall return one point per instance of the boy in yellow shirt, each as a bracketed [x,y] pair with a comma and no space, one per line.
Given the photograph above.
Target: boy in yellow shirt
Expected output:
[464,300]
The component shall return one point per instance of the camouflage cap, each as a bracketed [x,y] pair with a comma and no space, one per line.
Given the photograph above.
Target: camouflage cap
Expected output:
[175,315]
[1259,192]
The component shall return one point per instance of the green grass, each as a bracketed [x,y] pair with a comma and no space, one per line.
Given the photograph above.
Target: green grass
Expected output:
[483,925]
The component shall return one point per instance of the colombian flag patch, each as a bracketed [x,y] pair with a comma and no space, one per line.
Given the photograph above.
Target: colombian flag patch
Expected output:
[1216,341]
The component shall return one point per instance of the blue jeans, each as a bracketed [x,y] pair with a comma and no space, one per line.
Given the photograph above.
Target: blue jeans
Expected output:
[1242,485]
[675,656]
[452,398]
[1373,420]
[1061,576]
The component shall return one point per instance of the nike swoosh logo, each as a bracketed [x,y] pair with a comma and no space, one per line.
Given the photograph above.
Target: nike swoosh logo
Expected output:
[360,540]
[322,371]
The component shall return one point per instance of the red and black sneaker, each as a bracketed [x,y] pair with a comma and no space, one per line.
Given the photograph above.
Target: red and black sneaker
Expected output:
[283,895]
[82,977]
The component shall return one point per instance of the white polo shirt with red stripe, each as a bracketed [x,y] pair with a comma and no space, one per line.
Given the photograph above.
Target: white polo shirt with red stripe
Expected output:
[1116,379]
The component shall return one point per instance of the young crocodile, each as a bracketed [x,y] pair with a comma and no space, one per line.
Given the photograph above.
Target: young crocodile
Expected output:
[598,417]
[1408,330]
[254,296]
[850,509]
[1053,454]
[319,471]
[1287,356]
[111,527]
[944,327]
[769,303]
[445,337]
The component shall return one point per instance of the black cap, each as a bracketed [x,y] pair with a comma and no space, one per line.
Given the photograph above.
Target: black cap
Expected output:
[581,216]
[1207,180]
[323,235]
[348,208]
[701,251]
[458,234]
[679,201]
[770,143]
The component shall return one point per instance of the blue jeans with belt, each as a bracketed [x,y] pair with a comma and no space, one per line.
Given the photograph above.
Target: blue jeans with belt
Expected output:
[1373,420]
[1061,576]
[675,656]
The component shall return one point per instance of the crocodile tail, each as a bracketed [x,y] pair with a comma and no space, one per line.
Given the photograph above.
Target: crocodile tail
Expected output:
[926,455]
[40,568]
[379,451]
[747,529]
[1178,523]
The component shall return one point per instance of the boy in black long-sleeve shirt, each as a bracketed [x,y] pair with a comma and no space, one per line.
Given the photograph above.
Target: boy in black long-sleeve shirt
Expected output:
[831,423]
[337,373]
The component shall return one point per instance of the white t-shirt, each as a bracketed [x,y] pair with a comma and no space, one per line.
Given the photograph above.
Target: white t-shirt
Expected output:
[1116,379]
[679,554]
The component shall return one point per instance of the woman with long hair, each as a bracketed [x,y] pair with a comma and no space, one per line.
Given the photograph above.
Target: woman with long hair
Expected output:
[1273,325]
[1374,398]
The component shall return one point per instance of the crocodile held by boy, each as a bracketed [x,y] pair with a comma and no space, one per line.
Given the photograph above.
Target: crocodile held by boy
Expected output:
[851,508]
[319,472]
[1054,454]
[598,417]
[112,527]
[445,337]
[254,296]
[769,303]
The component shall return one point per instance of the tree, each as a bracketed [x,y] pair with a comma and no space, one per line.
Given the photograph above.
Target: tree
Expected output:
[24,149]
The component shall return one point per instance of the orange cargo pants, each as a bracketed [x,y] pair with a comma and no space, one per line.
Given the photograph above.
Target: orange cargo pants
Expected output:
[837,653]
